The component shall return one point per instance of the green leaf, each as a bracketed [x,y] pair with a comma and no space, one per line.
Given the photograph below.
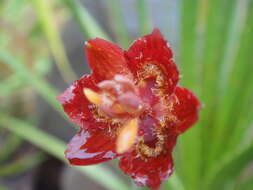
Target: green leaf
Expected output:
[218,20]
[247,185]
[22,164]
[229,167]
[239,70]
[87,23]
[42,140]
[143,17]
[174,182]
[11,144]
[117,22]
[3,188]
[189,166]
[44,12]
[44,89]
[243,120]
[9,85]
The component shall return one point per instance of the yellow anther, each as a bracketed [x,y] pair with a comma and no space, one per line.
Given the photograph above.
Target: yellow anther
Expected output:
[127,135]
[92,96]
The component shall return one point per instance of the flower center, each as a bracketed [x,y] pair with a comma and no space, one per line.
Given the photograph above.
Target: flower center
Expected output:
[140,110]
[151,138]
[150,70]
[118,98]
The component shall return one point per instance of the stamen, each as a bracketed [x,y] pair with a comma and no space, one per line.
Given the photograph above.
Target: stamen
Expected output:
[92,96]
[127,135]
[117,108]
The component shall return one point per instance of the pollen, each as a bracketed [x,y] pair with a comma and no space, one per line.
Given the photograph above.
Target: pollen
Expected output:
[92,96]
[127,136]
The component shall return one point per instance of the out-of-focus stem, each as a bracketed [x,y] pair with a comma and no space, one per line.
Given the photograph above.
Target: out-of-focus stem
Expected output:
[174,182]
[143,17]
[11,144]
[42,87]
[87,24]
[56,147]
[45,16]
[118,23]
[22,164]
[3,188]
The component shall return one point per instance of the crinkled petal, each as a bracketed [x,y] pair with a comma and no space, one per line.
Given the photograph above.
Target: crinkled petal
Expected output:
[153,49]
[151,172]
[77,106]
[185,108]
[105,59]
[90,147]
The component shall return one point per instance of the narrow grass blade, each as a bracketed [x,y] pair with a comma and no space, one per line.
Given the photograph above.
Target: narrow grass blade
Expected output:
[21,165]
[45,16]
[190,163]
[11,144]
[10,84]
[3,188]
[118,23]
[244,118]
[229,167]
[56,147]
[247,185]
[143,17]
[44,89]
[174,183]
[227,116]
[86,22]
[216,29]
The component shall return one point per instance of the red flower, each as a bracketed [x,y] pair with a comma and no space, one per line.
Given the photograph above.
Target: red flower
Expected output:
[129,107]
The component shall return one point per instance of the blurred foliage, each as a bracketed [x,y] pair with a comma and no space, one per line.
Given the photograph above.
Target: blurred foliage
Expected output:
[215,59]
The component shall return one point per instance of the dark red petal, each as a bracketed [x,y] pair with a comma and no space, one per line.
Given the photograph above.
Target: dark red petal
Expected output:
[151,172]
[105,59]
[153,49]
[77,106]
[90,147]
[185,108]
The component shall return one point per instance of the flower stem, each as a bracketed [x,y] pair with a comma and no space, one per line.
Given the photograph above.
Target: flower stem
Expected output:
[86,22]
[117,22]
[45,16]
[143,16]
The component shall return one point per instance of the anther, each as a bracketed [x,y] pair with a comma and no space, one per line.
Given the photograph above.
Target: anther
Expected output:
[127,135]
[92,96]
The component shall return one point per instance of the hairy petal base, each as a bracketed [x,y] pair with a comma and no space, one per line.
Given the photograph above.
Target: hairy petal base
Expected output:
[153,49]
[151,172]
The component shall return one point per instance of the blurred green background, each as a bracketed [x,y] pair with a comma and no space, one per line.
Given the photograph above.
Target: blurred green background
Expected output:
[41,53]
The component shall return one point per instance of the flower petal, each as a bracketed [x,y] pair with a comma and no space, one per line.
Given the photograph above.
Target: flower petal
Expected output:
[185,108]
[90,147]
[153,49]
[151,172]
[77,106]
[105,59]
